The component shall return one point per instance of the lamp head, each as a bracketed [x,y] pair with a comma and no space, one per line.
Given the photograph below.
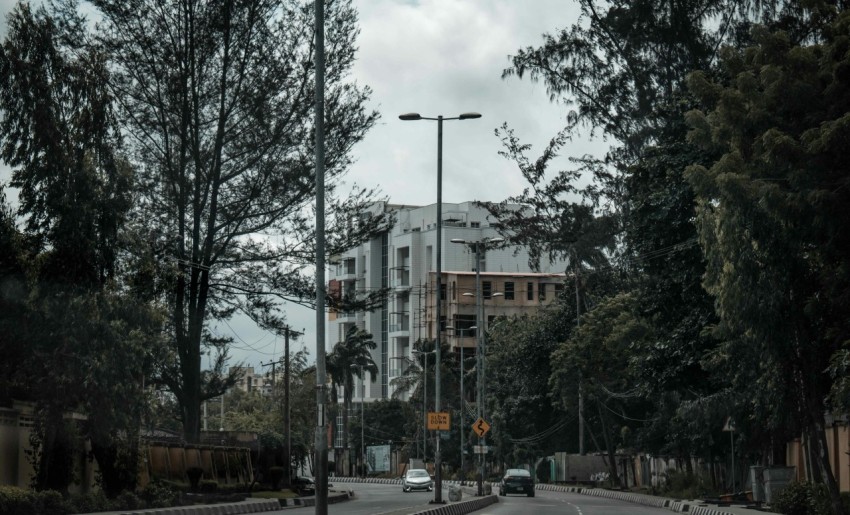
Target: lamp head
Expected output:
[410,116]
[469,116]
[457,240]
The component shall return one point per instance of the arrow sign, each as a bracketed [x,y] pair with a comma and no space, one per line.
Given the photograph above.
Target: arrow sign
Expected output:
[480,427]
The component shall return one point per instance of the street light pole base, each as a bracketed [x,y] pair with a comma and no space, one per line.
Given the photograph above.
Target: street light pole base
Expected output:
[432,501]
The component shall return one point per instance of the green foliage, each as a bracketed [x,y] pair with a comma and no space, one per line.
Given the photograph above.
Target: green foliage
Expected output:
[772,214]
[16,501]
[161,494]
[90,502]
[519,397]
[683,485]
[803,498]
[127,501]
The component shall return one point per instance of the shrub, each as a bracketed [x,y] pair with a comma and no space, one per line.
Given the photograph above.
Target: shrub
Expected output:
[803,498]
[16,501]
[681,485]
[160,494]
[127,501]
[209,485]
[51,502]
[90,502]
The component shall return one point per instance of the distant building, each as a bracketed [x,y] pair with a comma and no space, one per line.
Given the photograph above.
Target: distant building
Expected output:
[251,382]
[404,260]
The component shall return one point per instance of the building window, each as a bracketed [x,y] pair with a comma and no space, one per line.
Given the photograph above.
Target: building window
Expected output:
[559,289]
[530,291]
[486,289]
[509,290]
[475,224]
[443,291]
[454,290]
[542,295]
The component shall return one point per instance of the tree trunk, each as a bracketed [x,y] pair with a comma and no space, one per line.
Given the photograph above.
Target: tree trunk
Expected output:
[609,446]
[820,454]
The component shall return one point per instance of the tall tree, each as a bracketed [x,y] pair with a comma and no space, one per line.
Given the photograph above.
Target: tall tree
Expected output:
[350,358]
[526,422]
[772,216]
[598,354]
[216,102]
[60,137]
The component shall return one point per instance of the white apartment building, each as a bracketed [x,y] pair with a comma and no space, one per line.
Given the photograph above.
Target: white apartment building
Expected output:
[404,260]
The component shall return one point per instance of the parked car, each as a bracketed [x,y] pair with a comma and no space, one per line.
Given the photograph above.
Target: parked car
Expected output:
[417,479]
[517,481]
[305,485]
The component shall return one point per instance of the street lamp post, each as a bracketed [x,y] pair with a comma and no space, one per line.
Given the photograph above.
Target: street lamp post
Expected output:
[362,419]
[424,404]
[438,487]
[462,400]
[479,247]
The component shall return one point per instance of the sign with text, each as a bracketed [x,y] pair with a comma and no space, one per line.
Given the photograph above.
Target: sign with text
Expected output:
[438,420]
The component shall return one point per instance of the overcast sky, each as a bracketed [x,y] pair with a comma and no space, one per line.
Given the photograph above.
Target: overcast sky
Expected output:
[436,57]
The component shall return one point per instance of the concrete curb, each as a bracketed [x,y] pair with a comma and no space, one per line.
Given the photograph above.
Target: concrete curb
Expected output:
[460,507]
[646,500]
[249,505]
[246,506]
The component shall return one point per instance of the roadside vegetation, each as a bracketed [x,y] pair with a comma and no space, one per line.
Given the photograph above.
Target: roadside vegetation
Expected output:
[163,163]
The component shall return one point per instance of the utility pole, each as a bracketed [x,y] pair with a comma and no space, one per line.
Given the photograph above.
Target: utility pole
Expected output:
[287,332]
[321,436]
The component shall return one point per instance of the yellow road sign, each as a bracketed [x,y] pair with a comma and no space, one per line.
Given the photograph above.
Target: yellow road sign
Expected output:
[480,427]
[438,420]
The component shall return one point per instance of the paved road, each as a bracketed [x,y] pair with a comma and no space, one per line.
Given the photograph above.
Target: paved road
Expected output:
[551,503]
[375,499]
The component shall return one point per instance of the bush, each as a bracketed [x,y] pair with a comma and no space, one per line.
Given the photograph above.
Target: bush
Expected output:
[803,498]
[51,502]
[160,494]
[16,501]
[681,485]
[209,485]
[90,502]
[127,501]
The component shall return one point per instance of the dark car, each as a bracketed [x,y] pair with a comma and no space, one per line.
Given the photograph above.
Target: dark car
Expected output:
[517,481]
[417,479]
[305,485]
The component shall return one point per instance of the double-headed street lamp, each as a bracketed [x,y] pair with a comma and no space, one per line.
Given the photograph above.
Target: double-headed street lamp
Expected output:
[438,487]
[479,247]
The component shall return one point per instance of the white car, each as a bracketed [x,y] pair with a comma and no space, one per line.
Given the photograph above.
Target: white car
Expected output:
[417,479]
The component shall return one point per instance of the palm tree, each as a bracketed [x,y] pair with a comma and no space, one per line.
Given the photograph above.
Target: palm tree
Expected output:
[349,359]
[421,366]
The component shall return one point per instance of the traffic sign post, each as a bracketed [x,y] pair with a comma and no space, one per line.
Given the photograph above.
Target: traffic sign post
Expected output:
[480,427]
[439,421]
